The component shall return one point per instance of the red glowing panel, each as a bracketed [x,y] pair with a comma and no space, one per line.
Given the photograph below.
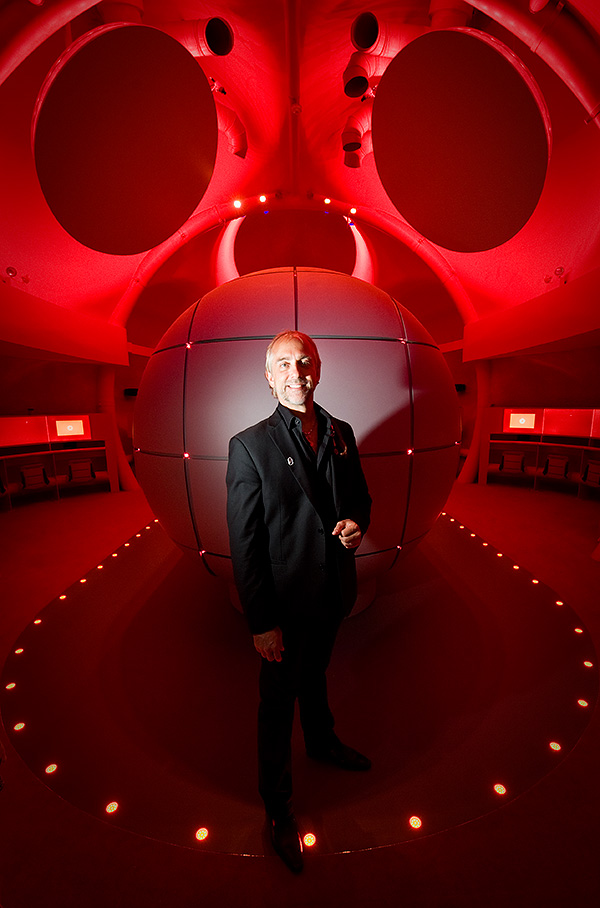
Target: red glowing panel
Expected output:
[595,433]
[522,422]
[76,427]
[202,833]
[23,430]
[568,422]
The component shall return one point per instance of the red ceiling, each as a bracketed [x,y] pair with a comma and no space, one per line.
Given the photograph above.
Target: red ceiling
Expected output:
[282,86]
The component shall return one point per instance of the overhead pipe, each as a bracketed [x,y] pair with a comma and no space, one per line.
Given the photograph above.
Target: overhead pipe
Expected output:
[355,157]
[449,13]
[46,23]
[232,127]
[357,124]
[221,214]
[124,11]
[202,37]
[559,39]
[376,47]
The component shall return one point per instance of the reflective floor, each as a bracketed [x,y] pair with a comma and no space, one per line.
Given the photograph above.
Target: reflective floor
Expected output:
[466,682]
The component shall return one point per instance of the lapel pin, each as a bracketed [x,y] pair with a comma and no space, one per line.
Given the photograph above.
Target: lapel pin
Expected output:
[291,461]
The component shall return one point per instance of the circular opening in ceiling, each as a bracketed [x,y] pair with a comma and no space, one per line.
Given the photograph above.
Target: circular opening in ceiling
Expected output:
[461,139]
[124,138]
[364,31]
[219,37]
[356,87]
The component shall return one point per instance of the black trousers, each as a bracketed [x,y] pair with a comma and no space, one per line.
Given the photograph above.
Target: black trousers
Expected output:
[299,676]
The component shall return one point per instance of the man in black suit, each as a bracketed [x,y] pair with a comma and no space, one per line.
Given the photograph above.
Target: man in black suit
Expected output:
[297,508]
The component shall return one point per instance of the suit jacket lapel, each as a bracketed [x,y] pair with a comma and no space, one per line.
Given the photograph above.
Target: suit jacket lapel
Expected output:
[281,438]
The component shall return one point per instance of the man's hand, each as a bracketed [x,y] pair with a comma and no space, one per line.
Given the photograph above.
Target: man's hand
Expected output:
[269,644]
[349,533]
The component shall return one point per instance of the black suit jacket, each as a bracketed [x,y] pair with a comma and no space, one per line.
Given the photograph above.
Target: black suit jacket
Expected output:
[278,540]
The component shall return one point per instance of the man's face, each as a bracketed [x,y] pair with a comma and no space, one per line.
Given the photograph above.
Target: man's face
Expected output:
[294,375]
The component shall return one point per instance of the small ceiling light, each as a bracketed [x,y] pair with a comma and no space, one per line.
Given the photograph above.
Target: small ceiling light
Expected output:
[416,822]
[188,346]
[19,726]
[100,567]
[535,581]
[498,554]
[262,198]
[62,597]
[353,211]
[114,555]
[515,567]
[11,686]
[83,580]
[327,201]
[554,745]
[202,833]
[127,544]
[186,457]
[579,630]
[485,543]
[19,651]
[588,664]
[559,602]
[583,703]
[112,807]
[237,204]
[309,839]
[500,789]
[38,621]
[51,768]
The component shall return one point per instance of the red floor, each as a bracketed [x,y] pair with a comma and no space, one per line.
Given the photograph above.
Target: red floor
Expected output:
[539,849]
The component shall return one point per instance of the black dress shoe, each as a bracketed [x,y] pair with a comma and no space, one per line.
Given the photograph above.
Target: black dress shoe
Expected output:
[342,756]
[287,843]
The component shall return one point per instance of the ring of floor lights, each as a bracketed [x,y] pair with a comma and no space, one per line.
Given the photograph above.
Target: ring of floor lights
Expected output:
[410,825]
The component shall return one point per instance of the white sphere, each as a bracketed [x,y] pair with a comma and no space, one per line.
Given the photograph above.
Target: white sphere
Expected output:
[382,372]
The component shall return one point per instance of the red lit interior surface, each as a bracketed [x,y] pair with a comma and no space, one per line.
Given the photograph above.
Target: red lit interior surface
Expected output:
[35,430]
[584,423]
